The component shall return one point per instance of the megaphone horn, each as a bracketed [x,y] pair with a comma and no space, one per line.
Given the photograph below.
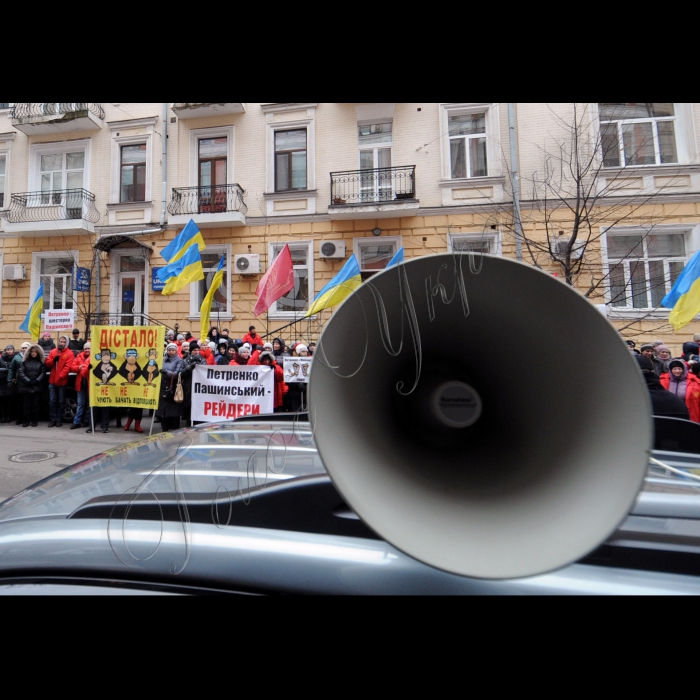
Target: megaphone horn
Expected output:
[496,426]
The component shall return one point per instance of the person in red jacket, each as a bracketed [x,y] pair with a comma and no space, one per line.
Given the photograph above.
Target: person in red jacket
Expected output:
[81,367]
[268,360]
[684,385]
[244,357]
[59,361]
[252,338]
[207,352]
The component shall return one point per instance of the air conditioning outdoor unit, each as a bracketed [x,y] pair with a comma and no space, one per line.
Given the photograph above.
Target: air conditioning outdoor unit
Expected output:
[13,272]
[332,249]
[559,249]
[248,264]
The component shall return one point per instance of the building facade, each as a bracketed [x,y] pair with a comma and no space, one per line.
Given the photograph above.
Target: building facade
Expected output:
[105,187]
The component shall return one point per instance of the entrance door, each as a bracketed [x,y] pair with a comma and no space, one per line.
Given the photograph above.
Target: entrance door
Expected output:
[132,289]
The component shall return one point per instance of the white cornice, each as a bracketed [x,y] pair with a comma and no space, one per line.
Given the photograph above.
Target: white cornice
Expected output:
[8,136]
[132,123]
[288,106]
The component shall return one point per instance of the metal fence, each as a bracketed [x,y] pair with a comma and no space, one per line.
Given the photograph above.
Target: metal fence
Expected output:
[373,186]
[214,199]
[54,205]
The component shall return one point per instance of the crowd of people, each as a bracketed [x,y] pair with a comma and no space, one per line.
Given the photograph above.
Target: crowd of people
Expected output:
[673,382]
[44,367]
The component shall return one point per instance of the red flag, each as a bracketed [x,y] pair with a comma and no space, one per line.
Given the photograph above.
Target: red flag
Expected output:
[276,282]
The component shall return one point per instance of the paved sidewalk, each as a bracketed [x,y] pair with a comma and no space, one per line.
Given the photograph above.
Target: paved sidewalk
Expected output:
[62,447]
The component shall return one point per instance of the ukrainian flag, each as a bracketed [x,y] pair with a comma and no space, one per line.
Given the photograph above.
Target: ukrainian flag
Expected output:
[205,310]
[180,273]
[684,298]
[32,321]
[180,245]
[339,288]
[397,259]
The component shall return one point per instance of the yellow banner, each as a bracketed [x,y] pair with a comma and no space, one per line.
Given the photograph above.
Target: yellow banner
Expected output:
[125,366]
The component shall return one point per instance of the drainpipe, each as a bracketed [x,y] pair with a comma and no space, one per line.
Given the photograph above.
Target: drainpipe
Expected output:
[165,161]
[98,299]
[515,182]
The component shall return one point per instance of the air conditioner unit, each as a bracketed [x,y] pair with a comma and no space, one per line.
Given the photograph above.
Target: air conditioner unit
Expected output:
[13,272]
[331,249]
[248,264]
[559,249]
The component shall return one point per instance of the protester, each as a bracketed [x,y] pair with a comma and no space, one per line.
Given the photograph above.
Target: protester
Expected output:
[312,349]
[185,348]
[213,335]
[684,385]
[12,374]
[76,344]
[31,380]
[170,410]
[252,338]
[663,402]
[268,360]
[632,346]
[221,352]
[81,367]
[663,357]
[229,357]
[59,361]
[46,343]
[206,352]
[5,386]
[689,349]
[245,357]
[279,351]
[193,360]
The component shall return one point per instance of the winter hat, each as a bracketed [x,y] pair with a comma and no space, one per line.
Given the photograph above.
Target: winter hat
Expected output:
[631,343]
[194,344]
[268,346]
[678,363]
[645,364]
[646,346]
[696,338]
[223,342]
[24,346]
[300,347]
[87,345]
[9,347]
[266,356]
[180,337]
[662,348]
[171,345]
[656,343]
[245,346]
[63,336]
[211,346]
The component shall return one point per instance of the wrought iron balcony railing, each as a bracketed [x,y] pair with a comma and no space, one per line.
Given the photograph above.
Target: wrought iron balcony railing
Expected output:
[22,110]
[56,205]
[214,199]
[373,186]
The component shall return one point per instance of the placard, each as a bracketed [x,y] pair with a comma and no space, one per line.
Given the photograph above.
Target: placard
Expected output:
[297,370]
[231,392]
[59,319]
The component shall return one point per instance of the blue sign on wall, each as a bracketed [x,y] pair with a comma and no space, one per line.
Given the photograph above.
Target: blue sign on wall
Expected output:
[128,295]
[81,279]
[156,284]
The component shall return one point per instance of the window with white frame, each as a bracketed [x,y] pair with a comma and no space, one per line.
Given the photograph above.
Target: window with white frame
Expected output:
[375,143]
[489,243]
[374,254]
[295,303]
[3,163]
[54,270]
[290,160]
[131,161]
[643,266]
[55,167]
[638,133]
[221,305]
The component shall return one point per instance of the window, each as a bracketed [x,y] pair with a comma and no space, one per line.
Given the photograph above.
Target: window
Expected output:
[489,243]
[60,171]
[212,168]
[3,161]
[642,267]
[375,142]
[467,145]
[290,160]
[296,302]
[221,305]
[57,278]
[374,254]
[133,173]
[638,133]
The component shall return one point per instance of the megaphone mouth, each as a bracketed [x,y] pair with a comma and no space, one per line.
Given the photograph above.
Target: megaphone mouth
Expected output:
[456,404]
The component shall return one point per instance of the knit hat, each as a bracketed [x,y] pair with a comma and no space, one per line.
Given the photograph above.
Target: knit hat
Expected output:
[662,348]
[631,343]
[696,338]
[180,337]
[87,345]
[300,347]
[646,346]
[211,346]
[268,346]
[266,356]
[171,345]
[677,363]
[63,336]
[194,344]
[9,347]
[656,343]
[24,345]
[245,346]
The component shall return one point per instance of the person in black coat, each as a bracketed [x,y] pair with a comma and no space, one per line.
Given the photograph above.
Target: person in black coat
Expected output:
[31,382]
[193,360]
[663,403]
[5,385]
[169,410]
[46,343]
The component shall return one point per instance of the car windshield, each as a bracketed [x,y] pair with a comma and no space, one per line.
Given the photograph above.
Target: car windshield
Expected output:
[219,459]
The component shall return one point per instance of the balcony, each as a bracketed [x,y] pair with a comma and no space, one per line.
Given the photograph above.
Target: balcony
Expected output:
[35,118]
[209,206]
[374,194]
[194,110]
[56,212]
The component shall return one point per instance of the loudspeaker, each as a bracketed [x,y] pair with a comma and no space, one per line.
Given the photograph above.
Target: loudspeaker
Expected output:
[480,415]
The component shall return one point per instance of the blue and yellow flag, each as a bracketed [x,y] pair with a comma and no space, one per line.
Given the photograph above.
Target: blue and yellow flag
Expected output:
[32,321]
[180,273]
[397,259]
[205,310]
[180,245]
[339,288]
[684,298]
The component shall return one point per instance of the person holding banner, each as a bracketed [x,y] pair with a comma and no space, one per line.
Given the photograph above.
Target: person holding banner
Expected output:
[193,359]
[169,411]
[267,359]
[59,361]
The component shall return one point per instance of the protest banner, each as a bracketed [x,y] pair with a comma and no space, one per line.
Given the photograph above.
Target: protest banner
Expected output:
[59,319]
[125,366]
[297,370]
[231,392]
